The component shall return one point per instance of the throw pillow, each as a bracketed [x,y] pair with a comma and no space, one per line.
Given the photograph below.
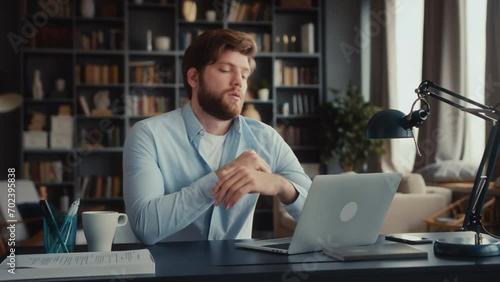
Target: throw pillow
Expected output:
[449,171]
[412,183]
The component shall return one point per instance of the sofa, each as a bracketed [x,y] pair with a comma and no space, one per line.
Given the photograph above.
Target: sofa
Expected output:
[414,201]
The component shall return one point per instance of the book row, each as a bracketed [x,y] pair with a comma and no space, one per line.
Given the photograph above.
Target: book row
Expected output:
[100,186]
[97,74]
[147,105]
[297,135]
[108,39]
[151,72]
[45,171]
[294,75]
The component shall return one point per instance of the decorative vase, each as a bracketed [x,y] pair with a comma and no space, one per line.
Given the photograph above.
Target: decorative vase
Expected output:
[37,85]
[189,10]
[251,112]
[87,8]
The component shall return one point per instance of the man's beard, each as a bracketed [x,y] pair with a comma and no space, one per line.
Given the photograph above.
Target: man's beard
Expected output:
[214,105]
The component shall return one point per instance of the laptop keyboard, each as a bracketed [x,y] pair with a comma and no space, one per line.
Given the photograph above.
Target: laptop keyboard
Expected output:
[282,246]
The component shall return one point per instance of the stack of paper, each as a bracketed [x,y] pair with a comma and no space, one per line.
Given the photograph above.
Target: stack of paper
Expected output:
[70,265]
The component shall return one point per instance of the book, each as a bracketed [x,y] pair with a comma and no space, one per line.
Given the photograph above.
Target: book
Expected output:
[375,252]
[307,38]
[69,265]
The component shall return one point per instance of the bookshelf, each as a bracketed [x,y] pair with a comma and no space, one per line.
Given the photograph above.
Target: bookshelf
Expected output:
[115,55]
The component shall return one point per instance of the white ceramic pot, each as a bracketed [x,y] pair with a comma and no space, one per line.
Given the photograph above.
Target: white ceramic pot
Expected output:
[87,8]
[263,94]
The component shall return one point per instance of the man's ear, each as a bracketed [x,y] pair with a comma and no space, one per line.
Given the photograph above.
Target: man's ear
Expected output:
[192,77]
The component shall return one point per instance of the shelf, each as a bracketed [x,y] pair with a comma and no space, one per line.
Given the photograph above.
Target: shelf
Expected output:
[82,117]
[101,200]
[48,151]
[151,6]
[296,55]
[154,53]
[100,52]
[48,101]
[299,86]
[100,20]
[101,150]
[156,85]
[279,9]
[48,51]
[251,23]
[53,20]
[200,22]
[115,85]
[56,184]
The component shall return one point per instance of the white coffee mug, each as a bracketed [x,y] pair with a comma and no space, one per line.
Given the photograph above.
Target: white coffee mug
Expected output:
[99,228]
[162,43]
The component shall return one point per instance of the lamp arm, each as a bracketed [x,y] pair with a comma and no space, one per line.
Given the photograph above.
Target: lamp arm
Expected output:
[472,220]
[423,90]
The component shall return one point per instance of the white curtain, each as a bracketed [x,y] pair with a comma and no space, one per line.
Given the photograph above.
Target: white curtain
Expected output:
[442,41]
[404,48]
[454,56]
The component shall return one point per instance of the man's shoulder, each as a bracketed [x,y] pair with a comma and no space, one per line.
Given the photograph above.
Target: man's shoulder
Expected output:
[259,129]
[256,125]
[164,120]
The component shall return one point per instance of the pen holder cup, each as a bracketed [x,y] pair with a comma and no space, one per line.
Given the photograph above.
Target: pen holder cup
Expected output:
[64,241]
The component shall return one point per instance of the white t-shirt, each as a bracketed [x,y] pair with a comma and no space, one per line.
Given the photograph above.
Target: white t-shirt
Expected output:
[211,149]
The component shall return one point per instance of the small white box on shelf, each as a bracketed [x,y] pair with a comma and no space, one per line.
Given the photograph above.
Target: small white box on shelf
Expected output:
[35,140]
[61,141]
[61,124]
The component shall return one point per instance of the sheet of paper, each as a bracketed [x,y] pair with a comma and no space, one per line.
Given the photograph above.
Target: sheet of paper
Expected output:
[142,256]
[115,264]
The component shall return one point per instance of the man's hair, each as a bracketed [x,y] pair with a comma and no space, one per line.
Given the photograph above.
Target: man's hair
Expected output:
[207,47]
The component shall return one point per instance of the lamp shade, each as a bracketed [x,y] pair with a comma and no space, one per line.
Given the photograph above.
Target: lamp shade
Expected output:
[388,124]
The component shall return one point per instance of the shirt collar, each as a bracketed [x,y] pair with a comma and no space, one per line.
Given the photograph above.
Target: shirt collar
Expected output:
[194,127]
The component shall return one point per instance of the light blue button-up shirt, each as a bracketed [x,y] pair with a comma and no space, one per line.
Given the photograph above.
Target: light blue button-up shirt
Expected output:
[167,182]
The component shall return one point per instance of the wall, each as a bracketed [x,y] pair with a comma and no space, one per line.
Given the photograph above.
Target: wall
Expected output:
[342,47]
[342,50]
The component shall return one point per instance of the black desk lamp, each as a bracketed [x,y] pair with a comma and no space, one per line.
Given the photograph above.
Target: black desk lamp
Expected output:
[395,124]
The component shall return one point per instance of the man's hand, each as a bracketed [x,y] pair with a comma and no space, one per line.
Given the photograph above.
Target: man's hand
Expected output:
[250,174]
[248,159]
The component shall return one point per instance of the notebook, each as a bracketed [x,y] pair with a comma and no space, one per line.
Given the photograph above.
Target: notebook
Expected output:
[375,252]
[340,210]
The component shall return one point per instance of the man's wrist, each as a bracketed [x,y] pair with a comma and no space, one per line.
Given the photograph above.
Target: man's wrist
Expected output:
[288,193]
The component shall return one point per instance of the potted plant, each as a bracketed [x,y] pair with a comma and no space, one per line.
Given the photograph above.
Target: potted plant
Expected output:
[342,129]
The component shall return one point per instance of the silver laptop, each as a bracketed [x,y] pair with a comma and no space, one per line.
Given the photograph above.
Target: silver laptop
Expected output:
[340,210]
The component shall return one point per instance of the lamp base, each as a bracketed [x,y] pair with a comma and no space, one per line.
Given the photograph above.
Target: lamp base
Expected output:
[467,247]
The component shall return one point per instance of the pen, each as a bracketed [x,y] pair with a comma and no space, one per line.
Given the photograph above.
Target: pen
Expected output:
[67,224]
[49,217]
